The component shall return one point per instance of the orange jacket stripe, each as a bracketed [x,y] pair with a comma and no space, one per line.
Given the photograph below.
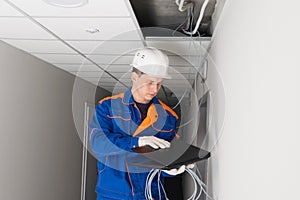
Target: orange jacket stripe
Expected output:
[162,130]
[120,117]
[121,95]
[132,190]
[168,109]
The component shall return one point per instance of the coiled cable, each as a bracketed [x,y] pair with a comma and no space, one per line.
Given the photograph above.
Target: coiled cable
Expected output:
[199,185]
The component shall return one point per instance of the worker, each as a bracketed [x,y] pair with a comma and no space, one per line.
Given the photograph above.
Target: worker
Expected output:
[133,119]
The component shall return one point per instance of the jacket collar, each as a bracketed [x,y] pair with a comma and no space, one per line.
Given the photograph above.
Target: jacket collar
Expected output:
[128,98]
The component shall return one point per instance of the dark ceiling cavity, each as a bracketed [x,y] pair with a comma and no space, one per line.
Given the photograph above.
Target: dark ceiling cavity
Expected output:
[166,14]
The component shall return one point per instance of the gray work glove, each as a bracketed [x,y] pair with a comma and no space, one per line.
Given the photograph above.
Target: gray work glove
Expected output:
[153,141]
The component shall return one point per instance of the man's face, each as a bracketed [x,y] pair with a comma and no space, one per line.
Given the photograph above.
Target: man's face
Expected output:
[145,87]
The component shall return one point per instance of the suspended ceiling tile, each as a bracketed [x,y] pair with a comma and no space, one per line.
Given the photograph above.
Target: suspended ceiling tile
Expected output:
[195,61]
[182,69]
[178,86]
[75,28]
[107,81]
[122,76]
[93,8]
[89,74]
[180,76]
[102,74]
[40,46]
[7,10]
[111,59]
[111,80]
[21,28]
[60,58]
[180,46]
[77,68]
[100,79]
[107,47]
[118,68]
[175,81]
[179,61]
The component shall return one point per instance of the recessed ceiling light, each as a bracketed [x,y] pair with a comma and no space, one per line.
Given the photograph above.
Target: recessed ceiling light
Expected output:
[92,30]
[67,3]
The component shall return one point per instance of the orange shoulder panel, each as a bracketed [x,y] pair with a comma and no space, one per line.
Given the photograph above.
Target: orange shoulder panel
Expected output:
[121,95]
[168,109]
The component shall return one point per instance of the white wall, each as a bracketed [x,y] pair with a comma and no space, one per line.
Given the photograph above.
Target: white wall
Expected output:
[40,149]
[256,51]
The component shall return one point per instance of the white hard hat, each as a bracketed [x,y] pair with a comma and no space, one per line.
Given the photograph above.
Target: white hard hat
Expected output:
[152,62]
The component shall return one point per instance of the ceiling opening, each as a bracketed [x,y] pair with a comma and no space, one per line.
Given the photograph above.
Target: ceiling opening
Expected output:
[166,14]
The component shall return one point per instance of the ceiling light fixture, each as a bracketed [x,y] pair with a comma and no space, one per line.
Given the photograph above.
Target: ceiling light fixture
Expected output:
[67,3]
[92,30]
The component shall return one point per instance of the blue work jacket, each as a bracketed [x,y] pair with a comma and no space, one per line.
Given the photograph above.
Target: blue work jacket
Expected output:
[114,131]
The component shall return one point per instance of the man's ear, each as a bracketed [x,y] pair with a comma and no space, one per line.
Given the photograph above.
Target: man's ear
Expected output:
[134,76]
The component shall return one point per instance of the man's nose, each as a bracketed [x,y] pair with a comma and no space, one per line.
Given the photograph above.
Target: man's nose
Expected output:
[155,87]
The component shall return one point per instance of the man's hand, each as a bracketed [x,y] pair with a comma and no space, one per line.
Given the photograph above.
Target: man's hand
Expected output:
[153,141]
[175,172]
[180,170]
[190,166]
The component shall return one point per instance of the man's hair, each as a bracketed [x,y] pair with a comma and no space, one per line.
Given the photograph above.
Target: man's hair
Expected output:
[139,73]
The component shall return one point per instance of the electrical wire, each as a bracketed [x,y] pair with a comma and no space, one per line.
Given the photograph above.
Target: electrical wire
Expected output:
[199,19]
[182,7]
[173,32]
[160,187]
[189,14]
[198,183]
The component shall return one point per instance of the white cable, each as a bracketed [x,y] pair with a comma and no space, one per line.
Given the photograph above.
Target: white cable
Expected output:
[195,190]
[199,19]
[149,180]
[198,183]
[149,193]
[182,7]
[163,189]
[189,14]
[158,185]
[179,26]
